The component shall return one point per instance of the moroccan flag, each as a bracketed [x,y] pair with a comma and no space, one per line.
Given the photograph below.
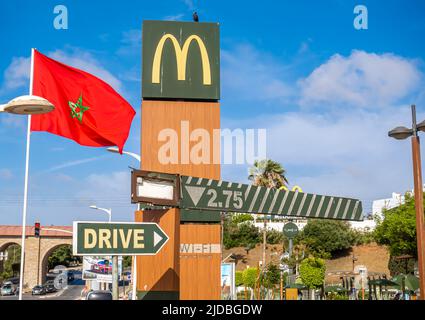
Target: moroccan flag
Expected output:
[87,110]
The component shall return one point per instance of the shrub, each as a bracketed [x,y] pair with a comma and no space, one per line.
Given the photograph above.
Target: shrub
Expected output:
[312,272]
[240,235]
[274,237]
[238,278]
[249,277]
[325,238]
[239,218]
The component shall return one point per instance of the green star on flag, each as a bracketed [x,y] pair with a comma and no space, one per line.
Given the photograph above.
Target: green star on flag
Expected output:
[77,108]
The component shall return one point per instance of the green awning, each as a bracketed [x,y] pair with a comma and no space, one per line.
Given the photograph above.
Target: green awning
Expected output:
[411,282]
[383,282]
[335,289]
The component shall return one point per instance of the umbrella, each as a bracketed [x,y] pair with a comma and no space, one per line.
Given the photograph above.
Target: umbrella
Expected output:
[411,282]
[335,289]
[383,282]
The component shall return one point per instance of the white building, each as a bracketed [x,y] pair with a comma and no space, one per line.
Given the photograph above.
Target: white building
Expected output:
[377,208]
[278,226]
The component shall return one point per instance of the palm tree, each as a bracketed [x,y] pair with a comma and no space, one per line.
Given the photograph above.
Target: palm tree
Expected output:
[270,174]
[267,173]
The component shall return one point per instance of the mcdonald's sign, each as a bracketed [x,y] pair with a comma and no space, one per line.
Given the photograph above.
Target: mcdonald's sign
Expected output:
[181,60]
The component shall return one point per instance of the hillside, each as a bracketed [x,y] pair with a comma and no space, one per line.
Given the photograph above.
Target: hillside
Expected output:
[373,256]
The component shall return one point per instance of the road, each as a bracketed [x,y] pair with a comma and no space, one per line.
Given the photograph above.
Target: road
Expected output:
[72,292]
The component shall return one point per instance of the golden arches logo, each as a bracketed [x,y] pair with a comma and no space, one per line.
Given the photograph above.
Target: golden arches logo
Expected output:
[181,57]
[295,189]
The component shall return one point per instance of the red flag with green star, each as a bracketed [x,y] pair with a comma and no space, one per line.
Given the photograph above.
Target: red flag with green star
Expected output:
[87,109]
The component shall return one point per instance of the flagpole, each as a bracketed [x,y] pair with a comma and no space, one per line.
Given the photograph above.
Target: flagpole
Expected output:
[24,213]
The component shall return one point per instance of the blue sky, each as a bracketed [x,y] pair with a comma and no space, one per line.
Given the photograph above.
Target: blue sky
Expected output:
[326,93]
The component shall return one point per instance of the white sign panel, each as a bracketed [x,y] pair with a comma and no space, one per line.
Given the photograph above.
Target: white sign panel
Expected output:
[99,268]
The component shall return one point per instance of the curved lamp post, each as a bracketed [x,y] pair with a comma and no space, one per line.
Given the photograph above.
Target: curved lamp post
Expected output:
[131,154]
[108,211]
[134,275]
[401,133]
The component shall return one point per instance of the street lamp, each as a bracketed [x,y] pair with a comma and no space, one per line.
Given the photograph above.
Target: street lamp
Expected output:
[131,154]
[114,258]
[108,211]
[26,105]
[134,275]
[403,133]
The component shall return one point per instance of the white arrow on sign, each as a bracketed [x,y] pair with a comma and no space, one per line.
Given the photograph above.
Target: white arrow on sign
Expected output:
[156,238]
[195,193]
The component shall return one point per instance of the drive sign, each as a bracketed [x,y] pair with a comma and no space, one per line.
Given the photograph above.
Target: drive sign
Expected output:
[117,238]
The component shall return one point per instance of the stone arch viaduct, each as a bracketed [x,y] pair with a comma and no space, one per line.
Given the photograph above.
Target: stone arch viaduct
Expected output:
[37,249]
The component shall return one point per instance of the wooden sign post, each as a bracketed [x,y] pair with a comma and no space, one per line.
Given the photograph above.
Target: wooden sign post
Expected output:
[180,113]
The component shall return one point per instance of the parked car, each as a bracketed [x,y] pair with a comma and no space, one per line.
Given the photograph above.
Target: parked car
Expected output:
[49,287]
[99,295]
[38,290]
[8,289]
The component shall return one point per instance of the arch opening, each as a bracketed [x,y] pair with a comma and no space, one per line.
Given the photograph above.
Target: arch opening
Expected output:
[10,262]
[58,255]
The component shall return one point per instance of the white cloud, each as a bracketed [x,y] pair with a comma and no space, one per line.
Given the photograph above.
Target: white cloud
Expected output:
[349,154]
[362,79]
[6,174]
[131,42]
[84,60]
[252,75]
[17,73]
[109,190]
[336,149]
[13,121]
[61,177]
[174,17]
[73,163]
[115,183]
[189,4]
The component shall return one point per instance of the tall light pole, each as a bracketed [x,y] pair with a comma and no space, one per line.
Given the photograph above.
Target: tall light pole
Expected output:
[115,293]
[401,133]
[134,273]
[108,211]
[26,105]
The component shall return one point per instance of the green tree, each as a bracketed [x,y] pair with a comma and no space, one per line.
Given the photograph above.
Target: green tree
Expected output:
[274,237]
[325,238]
[239,218]
[267,173]
[271,276]
[270,174]
[242,234]
[62,255]
[238,278]
[397,266]
[312,272]
[126,261]
[249,277]
[397,230]
[11,265]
